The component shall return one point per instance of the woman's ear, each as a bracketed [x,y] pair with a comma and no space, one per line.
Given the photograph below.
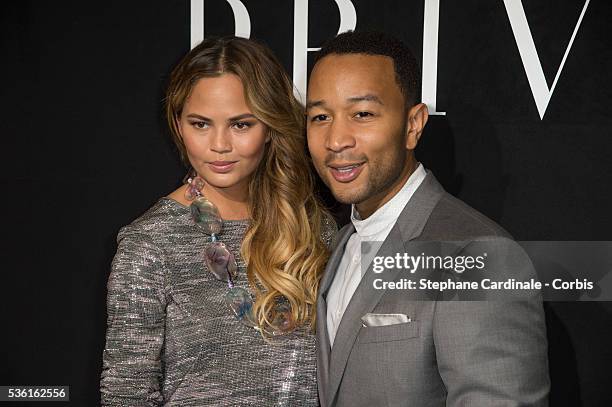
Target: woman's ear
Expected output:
[177,123]
[416,120]
[268,136]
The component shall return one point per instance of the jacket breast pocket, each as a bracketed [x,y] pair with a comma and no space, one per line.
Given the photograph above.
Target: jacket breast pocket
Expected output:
[388,333]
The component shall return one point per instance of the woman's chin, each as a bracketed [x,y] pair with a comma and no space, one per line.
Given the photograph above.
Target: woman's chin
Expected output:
[224,180]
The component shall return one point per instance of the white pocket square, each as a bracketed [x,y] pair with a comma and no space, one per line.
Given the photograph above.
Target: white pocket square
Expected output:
[371,319]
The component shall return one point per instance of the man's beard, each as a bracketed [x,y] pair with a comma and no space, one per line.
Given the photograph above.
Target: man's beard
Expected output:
[383,172]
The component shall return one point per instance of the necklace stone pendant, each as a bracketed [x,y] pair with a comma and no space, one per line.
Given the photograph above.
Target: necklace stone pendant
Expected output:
[241,303]
[220,261]
[206,216]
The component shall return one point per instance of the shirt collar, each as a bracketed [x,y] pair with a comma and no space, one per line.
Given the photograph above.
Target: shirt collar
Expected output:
[385,216]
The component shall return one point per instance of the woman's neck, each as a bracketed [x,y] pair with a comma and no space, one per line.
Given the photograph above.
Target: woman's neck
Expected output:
[231,202]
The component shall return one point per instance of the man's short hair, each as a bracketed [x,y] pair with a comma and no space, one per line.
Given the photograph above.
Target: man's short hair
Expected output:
[407,74]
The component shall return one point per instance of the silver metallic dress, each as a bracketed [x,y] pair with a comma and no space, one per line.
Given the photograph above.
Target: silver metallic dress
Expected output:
[172,341]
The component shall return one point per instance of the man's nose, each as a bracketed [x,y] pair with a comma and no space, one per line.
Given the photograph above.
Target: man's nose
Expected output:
[339,136]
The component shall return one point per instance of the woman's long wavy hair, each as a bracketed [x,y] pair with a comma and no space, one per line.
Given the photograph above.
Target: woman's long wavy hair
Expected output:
[283,248]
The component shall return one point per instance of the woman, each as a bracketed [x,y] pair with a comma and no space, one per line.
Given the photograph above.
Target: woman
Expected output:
[212,292]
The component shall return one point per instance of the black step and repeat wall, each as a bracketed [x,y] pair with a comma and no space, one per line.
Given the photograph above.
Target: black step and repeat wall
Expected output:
[520,95]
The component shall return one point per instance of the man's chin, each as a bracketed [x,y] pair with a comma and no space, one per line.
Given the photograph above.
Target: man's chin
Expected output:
[346,195]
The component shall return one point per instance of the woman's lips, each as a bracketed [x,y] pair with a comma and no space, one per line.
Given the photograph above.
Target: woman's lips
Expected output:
[221,166]
[346,173]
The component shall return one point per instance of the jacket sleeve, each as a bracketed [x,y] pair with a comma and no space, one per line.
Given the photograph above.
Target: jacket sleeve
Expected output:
[494,352]
[132,367]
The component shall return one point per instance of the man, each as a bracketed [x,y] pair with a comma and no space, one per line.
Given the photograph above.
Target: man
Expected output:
[388,347]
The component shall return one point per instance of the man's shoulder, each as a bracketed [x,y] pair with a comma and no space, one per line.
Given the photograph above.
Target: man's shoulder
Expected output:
[453,219]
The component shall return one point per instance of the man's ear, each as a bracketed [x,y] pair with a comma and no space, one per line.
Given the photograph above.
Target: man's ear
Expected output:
[416,120]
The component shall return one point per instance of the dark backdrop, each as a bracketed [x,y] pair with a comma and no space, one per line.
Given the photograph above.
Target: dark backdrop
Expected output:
[85,151]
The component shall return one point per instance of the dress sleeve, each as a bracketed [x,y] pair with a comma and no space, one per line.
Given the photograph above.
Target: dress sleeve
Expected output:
[136,307]
[329,228]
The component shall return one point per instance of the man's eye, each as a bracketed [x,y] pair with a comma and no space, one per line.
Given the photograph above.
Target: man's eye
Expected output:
[362,115]
[319,118]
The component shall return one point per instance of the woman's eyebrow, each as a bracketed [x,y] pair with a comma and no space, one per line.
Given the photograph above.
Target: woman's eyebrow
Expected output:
[231,119]
[241,117]
[199,116]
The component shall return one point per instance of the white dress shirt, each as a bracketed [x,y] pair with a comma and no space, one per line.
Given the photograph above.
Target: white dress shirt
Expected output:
[375,228]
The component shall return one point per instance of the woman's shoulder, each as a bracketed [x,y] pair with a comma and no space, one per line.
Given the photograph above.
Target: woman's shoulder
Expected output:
[178,196]
[329,228]
[162,215]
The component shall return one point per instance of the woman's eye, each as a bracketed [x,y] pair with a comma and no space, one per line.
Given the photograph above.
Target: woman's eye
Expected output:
[241,125]
[200,125]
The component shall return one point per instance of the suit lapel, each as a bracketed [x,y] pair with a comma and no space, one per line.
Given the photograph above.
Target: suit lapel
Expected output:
[408,226]
[322,336]
[334,259]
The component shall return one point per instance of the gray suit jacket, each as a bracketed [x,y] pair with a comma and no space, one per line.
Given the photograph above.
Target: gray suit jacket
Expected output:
[451,353]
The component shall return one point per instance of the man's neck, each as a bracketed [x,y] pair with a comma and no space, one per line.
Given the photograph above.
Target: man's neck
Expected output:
[372,204]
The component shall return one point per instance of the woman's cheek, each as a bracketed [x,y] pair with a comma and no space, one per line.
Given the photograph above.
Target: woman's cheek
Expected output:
[195,145]
[252,146]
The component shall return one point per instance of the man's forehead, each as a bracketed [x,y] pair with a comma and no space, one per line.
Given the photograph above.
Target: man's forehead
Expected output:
[357,98]
[351,62]
[351,76]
